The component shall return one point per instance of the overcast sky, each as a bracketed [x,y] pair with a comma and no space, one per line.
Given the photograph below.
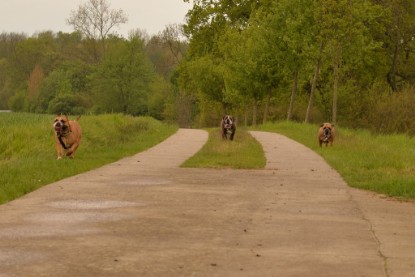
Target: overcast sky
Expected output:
[31,16]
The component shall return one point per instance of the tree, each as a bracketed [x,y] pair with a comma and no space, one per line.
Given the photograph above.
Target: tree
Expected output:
[400,43]
[167,49]
[95,20]
[122,81]
[34,83]
[288,26]
[343,27]
[57,83]
[206,24]
[252,68]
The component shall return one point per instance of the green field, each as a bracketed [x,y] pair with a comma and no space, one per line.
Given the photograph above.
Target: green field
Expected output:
[28,156]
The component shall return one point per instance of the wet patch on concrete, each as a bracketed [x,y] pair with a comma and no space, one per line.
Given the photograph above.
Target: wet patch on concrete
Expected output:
[92,204]
[143,182]
[46,231]
[74,217]
[10,257]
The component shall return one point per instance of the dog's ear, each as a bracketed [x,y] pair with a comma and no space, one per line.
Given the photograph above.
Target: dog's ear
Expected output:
[322,124]
[67,120]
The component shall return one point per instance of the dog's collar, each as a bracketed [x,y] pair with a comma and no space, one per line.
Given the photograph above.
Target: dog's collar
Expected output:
[61,141]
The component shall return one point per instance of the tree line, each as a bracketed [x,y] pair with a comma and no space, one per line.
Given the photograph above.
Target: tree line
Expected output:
[345,61]
[91,70]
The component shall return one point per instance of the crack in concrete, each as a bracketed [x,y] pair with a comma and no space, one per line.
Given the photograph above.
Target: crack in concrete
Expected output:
[373,232]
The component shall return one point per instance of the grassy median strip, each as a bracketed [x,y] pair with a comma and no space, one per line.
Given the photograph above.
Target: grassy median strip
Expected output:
[243,152]
[380,163]
[28,156]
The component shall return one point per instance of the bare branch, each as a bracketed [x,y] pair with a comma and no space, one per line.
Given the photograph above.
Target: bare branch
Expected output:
[95,19]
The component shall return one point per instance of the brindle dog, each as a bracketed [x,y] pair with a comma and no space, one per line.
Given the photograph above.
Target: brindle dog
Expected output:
[228,127]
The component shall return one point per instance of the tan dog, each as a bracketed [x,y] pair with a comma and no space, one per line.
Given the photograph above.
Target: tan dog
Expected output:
[326,134]
[68,135]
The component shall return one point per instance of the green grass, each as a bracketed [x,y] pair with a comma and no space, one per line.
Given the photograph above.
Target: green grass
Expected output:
[243,152]
[28,156]
[381,163]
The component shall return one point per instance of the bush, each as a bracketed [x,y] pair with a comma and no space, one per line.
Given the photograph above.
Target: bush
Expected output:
[67,103]
[393,112]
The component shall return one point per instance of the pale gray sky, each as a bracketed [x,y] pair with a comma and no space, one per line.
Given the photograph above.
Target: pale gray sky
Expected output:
[31,16]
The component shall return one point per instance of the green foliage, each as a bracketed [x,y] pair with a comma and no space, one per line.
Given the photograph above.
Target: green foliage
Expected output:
[242,57]
[67,103]
[243,152]
[254,54]
[28,156]
[18,101]
[121,82]
[159,98]
[380,163]
[392,112]
[49,72]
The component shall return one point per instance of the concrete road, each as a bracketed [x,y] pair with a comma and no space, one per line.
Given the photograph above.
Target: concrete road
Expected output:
[145,216]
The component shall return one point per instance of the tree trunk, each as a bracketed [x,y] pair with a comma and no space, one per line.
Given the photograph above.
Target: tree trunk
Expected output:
[392,73]
[336,65]
[313,86]
[254,112]
[293,94]
[224,109]
[246,114]
[266,110]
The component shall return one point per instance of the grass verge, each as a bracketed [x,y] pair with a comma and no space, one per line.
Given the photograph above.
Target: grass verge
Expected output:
[28,156]
[243,152]
[381,163]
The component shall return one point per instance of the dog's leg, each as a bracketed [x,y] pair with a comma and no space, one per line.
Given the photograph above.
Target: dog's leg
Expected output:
[59,151]
[58,148]
[71,151]
[224,136]
[232,134]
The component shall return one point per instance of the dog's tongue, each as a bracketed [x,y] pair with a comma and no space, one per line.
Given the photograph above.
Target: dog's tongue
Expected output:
[57,128]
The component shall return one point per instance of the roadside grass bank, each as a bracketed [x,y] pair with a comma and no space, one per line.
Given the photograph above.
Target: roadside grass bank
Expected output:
[244,152]
[381,163]
[28,156]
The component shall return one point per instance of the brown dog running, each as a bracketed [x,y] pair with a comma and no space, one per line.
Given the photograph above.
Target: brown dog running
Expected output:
[228,127]
[68,135]
[326,134]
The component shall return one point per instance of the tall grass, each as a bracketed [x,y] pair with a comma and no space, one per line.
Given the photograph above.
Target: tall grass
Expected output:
[380,163]
[243,152]
[28,156]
